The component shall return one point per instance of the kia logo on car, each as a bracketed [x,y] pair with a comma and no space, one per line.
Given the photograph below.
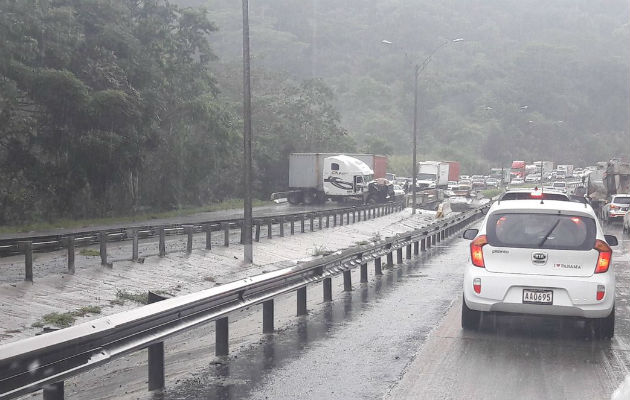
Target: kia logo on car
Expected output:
[539,258]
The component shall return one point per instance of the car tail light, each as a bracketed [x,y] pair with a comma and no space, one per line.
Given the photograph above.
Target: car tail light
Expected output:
[476,253]
[614,207]
[605,252]
[477,285]
[601,291]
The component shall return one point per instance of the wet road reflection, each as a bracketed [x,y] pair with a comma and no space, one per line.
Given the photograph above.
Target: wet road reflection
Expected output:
[236,376]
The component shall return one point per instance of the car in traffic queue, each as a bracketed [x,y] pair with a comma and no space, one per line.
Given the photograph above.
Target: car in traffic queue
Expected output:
[493,182]
[560,186]
[540,257]
[399,192]
[616,208]
[534,194]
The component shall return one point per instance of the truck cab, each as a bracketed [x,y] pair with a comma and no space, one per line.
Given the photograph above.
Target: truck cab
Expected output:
[346,176]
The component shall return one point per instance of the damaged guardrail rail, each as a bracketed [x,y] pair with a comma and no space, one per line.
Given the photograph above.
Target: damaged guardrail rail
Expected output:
[44,362]
[319,219]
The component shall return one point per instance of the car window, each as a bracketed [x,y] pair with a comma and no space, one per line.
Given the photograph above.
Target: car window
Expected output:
[622,200]
[541,231]
[528,196]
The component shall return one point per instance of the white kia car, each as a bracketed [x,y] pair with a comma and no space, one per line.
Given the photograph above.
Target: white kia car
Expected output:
[544,257]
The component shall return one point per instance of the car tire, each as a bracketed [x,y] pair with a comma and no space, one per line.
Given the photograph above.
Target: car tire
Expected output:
[470,318]
[605,327]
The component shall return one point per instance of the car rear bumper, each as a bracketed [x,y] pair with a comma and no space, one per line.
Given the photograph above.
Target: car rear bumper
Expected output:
[572,296]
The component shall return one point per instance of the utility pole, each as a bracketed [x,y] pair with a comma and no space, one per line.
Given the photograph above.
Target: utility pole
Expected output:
[414,171]
[247,143]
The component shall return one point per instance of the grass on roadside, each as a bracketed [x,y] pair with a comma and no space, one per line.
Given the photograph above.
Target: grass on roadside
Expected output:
[89,253]
[64,320]
[140,298]
[321,251]
[490,193]
[82,223]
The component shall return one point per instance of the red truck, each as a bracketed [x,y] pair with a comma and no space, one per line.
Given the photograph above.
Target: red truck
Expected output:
[518,169]
[454,169]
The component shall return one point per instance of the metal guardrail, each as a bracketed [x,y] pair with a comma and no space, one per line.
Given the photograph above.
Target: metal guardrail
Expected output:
[44,362]
[339,216]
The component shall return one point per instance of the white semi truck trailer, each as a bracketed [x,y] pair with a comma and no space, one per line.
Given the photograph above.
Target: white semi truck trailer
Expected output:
[317,177]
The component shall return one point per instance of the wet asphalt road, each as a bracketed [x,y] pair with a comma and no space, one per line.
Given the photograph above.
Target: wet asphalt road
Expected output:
[399,337]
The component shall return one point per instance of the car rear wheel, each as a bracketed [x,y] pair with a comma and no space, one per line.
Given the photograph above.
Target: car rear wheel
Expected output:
[605,327]
[470,318]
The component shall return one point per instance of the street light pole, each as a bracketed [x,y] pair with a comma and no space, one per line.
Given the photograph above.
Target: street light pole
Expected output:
[246,229]
[418,68]
[415,139]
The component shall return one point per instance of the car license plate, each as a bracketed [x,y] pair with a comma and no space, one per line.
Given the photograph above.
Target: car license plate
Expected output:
[537,296]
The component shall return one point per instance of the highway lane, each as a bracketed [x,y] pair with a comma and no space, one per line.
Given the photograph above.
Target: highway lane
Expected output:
[516,357]
[399,337]
[353,348]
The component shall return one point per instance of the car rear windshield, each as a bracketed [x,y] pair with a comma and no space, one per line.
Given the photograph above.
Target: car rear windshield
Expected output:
[622,200]
[541,231]
[528,196]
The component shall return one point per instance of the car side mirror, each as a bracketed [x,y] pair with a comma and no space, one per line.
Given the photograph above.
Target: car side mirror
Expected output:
[611,240]
[470,234]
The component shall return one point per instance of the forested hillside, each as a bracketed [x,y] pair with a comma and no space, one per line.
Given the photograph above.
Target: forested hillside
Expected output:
[109,107]
[533,79]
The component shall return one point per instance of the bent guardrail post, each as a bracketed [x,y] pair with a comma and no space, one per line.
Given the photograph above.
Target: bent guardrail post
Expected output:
[226,233]
[302,223]
[162,243]
[319,215]
[347,280]
[292,226]
[189,241]
[408,252]
[301,301]
[269,226]
[399,255]
[222,346]
[156,354]
[257,235]
[327,285]
[378,268]
[416,247]
[390,256]
[364,270]
[312,222]
[102,238]
[69,242]
[281,222]
[268,311]
[54,391]
[134,244]
[27,248]
[208,229]
[341,218]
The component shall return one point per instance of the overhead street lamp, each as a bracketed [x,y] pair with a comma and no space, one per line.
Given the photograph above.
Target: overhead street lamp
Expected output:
[418,68]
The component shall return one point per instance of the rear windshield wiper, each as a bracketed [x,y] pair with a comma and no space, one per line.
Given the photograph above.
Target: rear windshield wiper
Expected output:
[549,233]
